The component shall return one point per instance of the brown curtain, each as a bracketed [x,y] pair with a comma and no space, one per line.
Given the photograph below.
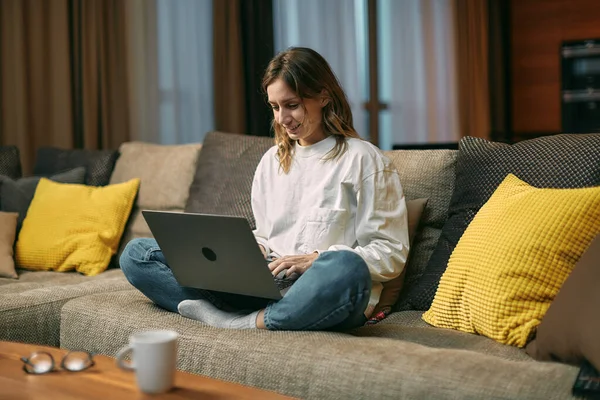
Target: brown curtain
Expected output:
[62,75]
[228,67]
[35,76]
[473,63]
[242,47]
[99,68]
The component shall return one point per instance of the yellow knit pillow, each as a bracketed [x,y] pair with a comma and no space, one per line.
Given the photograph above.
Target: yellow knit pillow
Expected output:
[513,258]
[74,227]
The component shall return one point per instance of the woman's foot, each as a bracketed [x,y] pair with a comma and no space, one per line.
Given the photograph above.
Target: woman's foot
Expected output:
[204,311]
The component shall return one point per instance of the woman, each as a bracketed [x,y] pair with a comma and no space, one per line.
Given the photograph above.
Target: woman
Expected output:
[329,208]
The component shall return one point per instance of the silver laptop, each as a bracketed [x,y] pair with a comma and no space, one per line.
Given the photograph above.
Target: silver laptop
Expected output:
[213,252]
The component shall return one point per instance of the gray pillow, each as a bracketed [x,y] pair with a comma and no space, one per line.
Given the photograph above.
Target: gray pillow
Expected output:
[224,173]
[10,162]
[98,164]
[16,195]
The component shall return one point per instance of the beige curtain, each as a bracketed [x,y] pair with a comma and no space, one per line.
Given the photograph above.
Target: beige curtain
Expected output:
[473,67]
[142,71]
[230,115]
[63,75]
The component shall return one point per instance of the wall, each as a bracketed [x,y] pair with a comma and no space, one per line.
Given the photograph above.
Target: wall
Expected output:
[538,28]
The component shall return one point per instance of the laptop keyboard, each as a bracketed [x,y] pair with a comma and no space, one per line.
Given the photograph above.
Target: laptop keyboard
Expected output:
[284,283]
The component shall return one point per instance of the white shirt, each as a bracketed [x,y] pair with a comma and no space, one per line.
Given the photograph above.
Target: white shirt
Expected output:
[354,202]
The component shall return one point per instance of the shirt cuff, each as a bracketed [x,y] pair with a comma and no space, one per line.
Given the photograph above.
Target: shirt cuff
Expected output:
[264,244]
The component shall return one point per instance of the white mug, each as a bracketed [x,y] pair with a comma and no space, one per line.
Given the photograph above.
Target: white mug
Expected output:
[154,359]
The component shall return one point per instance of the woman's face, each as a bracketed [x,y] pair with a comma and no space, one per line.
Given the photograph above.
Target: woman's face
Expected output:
[301,123]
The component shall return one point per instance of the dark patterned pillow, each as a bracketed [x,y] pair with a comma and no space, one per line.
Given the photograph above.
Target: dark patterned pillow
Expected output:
[16,195]
[99,164]
[10,162]
[224,173]
[559,161]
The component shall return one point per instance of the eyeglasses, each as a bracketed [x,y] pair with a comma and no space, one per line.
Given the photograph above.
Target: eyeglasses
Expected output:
[42,362]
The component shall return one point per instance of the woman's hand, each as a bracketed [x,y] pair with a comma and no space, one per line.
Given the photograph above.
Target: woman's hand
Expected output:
[298,264]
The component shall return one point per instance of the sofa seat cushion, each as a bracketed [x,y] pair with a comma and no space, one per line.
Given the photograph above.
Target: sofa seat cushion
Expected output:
[30,306]
[408,325]
[314,364]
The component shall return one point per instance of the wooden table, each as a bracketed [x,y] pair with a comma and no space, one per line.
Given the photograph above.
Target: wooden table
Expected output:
[105,380]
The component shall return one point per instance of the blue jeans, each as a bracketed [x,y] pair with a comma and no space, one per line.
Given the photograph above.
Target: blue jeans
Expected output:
[331,295]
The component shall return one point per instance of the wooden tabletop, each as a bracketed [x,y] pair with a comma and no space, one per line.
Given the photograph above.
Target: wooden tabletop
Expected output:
[105,380]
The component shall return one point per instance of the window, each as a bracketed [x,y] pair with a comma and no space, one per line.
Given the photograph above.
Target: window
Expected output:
[414,66]
[184,34]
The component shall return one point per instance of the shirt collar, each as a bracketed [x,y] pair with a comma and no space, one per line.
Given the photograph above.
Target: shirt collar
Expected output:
[320,148]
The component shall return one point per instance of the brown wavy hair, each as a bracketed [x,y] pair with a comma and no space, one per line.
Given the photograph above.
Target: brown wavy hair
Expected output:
[309,76]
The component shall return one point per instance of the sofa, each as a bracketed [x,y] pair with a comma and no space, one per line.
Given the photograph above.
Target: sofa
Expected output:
[399,357]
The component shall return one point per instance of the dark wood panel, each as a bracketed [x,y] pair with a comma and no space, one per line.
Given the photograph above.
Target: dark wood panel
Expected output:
[535,40]
[520,136]
[582,19]
[536,71]
[537,107]
[538,27]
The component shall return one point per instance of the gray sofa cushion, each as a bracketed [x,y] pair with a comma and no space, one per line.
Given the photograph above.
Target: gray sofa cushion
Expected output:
[425,174]
[315,365]
[408,326]
[224,174]
[10,162]
[30,306]
[559,161]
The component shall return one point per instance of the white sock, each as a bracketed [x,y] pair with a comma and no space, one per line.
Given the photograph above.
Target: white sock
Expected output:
[205,311]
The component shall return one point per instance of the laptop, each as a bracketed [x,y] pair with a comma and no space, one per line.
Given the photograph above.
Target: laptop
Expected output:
[214,252]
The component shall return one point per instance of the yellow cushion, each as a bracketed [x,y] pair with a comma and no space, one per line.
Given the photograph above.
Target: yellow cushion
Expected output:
[74,227]
[513,258]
